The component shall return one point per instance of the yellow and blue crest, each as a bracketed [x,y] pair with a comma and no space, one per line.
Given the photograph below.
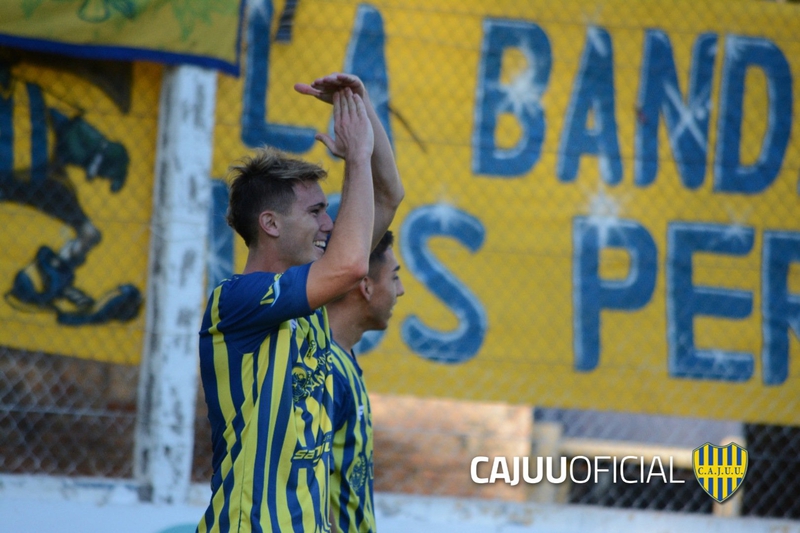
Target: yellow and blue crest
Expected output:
[720,470]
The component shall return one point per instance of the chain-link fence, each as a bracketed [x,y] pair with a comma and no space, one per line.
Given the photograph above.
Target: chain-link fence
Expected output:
[598,241]
[65,416]
[570,195]
[77,143]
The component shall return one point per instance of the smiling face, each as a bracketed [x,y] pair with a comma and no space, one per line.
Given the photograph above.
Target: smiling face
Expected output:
[305,229]
[386,289]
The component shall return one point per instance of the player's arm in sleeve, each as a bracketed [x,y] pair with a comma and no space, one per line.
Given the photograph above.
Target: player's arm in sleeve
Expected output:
[388,188]
[261,300]
[346,258]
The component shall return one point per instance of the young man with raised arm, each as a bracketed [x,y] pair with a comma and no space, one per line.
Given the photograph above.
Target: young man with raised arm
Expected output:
[265,345]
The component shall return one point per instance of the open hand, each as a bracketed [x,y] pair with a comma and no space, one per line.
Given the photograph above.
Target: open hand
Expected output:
[324,88]
[351,126]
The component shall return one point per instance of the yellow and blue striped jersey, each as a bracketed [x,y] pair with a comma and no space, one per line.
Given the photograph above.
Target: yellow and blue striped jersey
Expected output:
[352,476]
[265,364]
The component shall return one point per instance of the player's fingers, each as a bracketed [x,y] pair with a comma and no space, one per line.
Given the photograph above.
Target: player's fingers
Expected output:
[337,107]
[304,88]
[326,139]
[348,107]
[329,82]
[353,81]
[358,104]
[345,78]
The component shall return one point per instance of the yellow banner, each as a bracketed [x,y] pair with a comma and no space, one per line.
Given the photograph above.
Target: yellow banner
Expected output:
[77,151]
[602,197]
[201,32]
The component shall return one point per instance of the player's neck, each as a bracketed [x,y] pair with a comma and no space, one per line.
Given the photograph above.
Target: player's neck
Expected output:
[260,259]
[346,329]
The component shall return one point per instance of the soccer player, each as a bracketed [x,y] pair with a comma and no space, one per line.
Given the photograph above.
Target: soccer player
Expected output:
[265,339]
[365,308]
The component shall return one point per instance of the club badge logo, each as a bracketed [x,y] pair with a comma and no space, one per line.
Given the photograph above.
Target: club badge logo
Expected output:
[720,470]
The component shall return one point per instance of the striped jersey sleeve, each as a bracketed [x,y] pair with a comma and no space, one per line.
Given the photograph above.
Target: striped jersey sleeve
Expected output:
[265,364]
[352,476]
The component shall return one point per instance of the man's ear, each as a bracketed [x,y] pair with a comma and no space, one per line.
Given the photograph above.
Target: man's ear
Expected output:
[268,221]
[366,287]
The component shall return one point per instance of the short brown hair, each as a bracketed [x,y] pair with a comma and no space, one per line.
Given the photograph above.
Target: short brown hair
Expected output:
[378,255]
[264,181]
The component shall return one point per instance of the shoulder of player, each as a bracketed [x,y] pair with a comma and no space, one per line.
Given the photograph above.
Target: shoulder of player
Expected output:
[341,362]
[261,287]
[263,278]
[244,285]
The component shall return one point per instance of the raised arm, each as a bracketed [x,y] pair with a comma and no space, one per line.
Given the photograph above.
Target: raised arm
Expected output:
[388,188]
[346,257]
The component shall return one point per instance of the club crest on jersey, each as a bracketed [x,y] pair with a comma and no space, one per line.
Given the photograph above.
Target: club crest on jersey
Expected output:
[273,292]
[358,475]
[720,470]
[309,373]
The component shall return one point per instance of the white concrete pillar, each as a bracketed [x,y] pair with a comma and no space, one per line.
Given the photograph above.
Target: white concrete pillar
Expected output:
[176,285]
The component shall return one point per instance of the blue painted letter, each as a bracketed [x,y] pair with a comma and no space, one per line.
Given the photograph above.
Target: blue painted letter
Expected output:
[219,264]
[593,93]
[729,173]
[521,97]
[685,301]
[591,294]
[256,131]
[780,308]
[464,342]
[366,58]
[686,121]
